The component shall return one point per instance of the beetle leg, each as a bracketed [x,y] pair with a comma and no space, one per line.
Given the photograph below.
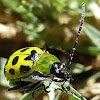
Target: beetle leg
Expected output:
[39,87]
[32,87]
[43,87]
[20,85]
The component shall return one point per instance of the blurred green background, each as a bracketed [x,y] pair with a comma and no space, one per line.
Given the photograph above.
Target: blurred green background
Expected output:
[53,24]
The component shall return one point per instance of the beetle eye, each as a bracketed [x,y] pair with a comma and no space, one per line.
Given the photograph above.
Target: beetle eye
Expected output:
[62,66]
[55,66]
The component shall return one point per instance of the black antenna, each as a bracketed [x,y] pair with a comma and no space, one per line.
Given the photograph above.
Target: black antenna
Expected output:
[78,34]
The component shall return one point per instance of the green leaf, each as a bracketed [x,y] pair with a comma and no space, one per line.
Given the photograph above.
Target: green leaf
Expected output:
[3,80]
[71,97]
[77,68]
[70,90]
[93,34]
[15,5]
[95,76]
[55,85]
[28,96]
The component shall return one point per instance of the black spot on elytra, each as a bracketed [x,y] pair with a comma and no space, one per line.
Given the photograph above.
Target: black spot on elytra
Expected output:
[15,60]
[28,58]
[11,71]
[33,57]
[33,52]
[24,50]
[24,69]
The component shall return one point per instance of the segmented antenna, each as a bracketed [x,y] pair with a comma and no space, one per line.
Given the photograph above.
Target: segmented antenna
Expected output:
[78,34]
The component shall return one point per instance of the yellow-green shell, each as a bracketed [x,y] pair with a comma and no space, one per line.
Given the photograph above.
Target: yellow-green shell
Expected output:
[21,61]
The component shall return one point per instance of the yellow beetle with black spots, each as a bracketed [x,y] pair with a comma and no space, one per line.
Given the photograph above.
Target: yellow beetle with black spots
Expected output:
[20,63]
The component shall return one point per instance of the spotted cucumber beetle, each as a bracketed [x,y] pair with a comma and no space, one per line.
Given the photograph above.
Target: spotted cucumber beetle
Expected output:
[39,65]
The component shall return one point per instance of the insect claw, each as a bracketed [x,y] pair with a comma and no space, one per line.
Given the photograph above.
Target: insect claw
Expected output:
[33,94]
